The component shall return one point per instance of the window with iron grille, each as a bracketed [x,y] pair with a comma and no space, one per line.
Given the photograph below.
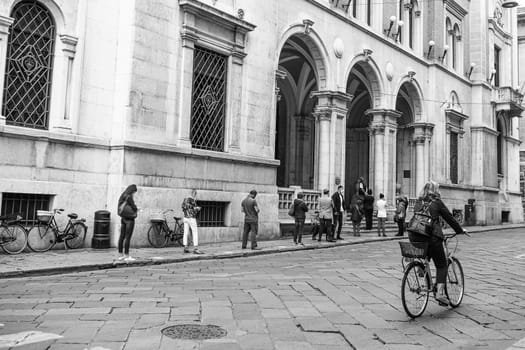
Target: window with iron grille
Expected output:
[212,213]
[208,103]
[29,65]
[454,157]
[25,204]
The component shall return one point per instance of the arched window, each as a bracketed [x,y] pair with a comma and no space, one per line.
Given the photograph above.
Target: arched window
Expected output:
[400,18]
[30,50]
[456,50]
[449,40]
[411,23]
[500,155]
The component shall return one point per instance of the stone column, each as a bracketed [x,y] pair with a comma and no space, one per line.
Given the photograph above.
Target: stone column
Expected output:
[383,131]
[422,138]
[5,23]
[62,118]
[331,113]
[323,120]
[186,80]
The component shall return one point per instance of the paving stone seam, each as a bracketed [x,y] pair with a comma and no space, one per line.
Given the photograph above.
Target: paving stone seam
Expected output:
[151,261]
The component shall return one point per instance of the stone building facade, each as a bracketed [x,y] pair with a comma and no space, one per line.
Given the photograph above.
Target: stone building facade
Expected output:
[281,96]
[521,74]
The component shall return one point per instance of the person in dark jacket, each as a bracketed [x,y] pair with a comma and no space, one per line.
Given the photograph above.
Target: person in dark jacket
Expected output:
[356,211]
[401,213]
[430,195]
[338,210]
[368,206]
[300,210]
[127,212]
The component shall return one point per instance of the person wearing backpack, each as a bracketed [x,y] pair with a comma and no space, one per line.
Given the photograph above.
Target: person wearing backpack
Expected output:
[430,202]
[401,211]
[300,210]
[127,210]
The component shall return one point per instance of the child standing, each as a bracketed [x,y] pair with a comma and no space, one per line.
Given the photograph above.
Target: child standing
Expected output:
[381,215]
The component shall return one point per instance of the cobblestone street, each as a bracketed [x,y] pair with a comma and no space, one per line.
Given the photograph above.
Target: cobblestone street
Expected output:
[331,299]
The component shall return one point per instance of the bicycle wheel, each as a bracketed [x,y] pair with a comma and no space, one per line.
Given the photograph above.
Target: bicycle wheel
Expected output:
[455,286]
[178,234]
[157,235]
[40,238]
[14,238]
[75,236]
[415,289]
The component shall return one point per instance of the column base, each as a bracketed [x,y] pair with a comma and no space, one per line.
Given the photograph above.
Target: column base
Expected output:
[2,120]
[184,143]
[63,129]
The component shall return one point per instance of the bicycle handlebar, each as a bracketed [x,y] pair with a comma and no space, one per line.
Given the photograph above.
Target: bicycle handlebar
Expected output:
[58,211]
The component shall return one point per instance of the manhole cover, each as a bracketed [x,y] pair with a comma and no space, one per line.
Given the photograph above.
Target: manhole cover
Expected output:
[194,331]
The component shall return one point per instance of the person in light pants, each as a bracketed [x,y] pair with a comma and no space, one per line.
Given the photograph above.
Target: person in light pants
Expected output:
[190,210]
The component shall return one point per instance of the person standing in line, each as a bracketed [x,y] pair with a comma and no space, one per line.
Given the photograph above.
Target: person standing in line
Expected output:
[300,210]
[251,220]
[190,210]
[326,208]
[381,215]
[401,211]
[368,205]
[127,210]
[356,212]
[339,208]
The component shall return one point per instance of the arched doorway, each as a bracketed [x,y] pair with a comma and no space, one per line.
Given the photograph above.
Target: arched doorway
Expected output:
[295,126]
[408,104]
[362,84]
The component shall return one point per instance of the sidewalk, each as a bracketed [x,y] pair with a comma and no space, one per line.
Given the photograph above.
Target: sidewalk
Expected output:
[62,261]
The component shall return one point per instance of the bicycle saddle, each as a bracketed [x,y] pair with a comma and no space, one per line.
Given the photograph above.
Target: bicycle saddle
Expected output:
[72,216]
[177,218]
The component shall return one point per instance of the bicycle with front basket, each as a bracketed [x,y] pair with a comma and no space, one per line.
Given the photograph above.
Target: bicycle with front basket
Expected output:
[13,236]
[418,282]
[45,233]
[159,233]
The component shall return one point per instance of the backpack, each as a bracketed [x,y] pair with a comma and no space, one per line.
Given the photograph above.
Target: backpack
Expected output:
[421,223]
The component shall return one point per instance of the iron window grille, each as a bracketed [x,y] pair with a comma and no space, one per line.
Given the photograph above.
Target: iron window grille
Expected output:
[212,214]
[454,157]
[208,104]
[24,204]
[29,66]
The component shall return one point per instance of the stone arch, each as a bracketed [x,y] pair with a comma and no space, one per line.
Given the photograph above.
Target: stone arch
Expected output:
[454,102]
[54,9]
[373,79]
[316,47]
[410,88]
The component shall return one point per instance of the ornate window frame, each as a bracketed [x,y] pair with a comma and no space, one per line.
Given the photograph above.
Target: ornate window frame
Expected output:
[454,125]
[208,27]
[65,79]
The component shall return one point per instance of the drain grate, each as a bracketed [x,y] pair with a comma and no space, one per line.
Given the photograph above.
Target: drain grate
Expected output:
[194,331]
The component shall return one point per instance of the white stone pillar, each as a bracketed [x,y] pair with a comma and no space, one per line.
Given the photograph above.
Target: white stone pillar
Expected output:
[62,92]
[5,23]
[378,135]
[419,142]
[422,138]
[324,119]
[186,80]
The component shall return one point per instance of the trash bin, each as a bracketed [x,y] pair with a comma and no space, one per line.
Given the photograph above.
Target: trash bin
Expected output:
[101,230]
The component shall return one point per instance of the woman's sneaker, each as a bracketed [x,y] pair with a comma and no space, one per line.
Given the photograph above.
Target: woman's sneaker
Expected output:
[129,258]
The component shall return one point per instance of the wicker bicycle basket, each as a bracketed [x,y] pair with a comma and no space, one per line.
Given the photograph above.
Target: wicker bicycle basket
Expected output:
[158,218]
[44,216]
[413,250]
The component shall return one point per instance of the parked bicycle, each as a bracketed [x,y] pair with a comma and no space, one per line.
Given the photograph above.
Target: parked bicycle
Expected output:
[418,282]
[13,236]
[45,233]
[159,233]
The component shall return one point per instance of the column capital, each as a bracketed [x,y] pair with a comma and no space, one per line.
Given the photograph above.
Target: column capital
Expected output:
[70,44]
[5,24]
[322,114]
[383,117]
[377,129]
[335,101]
[422,130]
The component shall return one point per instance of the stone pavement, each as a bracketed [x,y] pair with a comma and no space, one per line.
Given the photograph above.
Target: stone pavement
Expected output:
[342,298]
[63,261]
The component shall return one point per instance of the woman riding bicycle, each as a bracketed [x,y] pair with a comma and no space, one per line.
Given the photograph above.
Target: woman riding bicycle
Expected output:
[431,197]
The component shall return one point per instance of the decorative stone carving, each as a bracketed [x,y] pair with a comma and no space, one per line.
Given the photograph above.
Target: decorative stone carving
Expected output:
[339,47]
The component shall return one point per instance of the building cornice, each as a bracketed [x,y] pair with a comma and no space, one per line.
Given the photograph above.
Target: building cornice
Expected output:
[484,129]
[456,9]
[498,30]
